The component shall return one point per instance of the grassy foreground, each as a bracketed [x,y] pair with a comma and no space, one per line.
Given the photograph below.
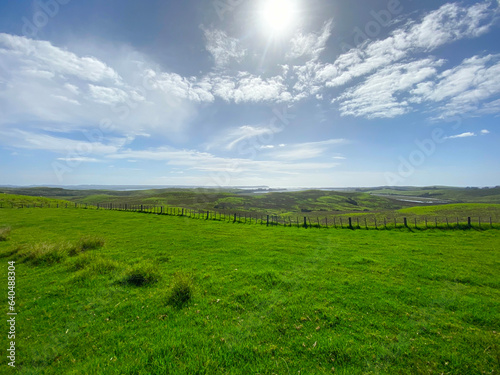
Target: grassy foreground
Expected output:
[108,292]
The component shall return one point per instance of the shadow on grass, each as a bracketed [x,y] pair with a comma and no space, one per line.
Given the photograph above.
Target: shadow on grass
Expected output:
[141,275]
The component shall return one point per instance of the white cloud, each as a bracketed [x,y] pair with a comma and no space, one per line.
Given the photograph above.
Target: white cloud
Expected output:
[223,48]
[449,23]
[72,88]
[463,135]
[80,160]
[377,96]
[310,45]
[490,108]
[249,88]
[48,58]
[464,87]
[107,95]
[37,141]
[233,137]
[484,132]
[49,87]
[184,88]
[66,99]
[302,151]
[233,167]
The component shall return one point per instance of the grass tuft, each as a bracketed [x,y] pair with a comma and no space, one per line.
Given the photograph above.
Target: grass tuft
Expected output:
[88,266]
[44,253]
[141,275]
[49,253]
[4,233]
[93,264]
[87,243]
[181,290]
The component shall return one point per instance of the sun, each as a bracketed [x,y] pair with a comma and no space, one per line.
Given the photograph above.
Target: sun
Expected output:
[278,15]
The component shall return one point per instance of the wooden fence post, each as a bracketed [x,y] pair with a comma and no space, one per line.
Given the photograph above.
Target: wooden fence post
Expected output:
[405,223]
[341,224]
[305,222]
[350,223]
[468,222]
[366,224]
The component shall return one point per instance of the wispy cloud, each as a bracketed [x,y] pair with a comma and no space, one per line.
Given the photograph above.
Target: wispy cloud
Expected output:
[46,84]
[303,151]
[206,162]
[52,60]
[378,96]
[449,23]
[231,138]
[223,48]
[80,160]
[310,45]
[248,88]
[463,135]
[37,141]
[463,88]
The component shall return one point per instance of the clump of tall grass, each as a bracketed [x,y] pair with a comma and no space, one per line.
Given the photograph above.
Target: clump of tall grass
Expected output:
[44,253]
[93,264]
[4,233]
[49,253]
[87,243]
[141,275]
[181,290]
[88,266]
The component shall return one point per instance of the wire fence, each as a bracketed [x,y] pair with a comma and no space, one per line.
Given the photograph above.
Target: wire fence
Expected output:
[344,221]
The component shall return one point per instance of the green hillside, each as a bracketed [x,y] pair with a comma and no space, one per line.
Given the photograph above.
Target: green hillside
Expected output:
[453,210]
[7,200]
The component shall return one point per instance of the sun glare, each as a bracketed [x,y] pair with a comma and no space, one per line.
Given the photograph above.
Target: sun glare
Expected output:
[278,15]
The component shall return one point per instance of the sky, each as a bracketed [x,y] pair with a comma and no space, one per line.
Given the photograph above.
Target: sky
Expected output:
[281,93]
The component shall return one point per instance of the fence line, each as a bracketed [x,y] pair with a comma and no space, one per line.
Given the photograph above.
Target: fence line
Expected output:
[269,220]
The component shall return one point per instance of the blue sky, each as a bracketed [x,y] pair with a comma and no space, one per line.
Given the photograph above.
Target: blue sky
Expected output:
[283,93]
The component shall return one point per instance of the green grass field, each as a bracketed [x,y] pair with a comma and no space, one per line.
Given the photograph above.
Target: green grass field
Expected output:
[171,295]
